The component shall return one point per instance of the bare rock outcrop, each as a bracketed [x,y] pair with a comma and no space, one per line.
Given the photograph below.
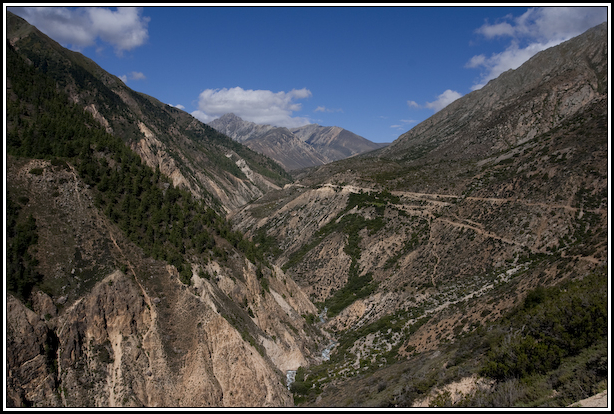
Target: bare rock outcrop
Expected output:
[31,375]
[139,336]
[115,350]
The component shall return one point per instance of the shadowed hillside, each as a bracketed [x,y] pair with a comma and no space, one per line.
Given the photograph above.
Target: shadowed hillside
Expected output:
[153,261]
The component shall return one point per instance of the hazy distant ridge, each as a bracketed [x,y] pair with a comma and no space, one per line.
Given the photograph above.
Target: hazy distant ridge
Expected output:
[295,148]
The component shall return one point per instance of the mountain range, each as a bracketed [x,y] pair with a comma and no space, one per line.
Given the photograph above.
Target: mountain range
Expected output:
[156,261]
[295,148]
[194,155]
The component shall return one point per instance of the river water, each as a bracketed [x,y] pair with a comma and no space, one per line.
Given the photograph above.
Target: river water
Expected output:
[291,373]
[290,376]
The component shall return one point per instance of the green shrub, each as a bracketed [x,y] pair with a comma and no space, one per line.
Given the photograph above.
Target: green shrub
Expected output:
[552,324]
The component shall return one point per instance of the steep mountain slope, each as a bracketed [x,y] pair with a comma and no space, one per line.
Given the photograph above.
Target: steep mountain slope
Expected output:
[239,129]
[385,278]
[335,143]
[451,226]
[284,147]
[517,106]
[197,157]
[110,326]
[125,286]
[298,148]
[275,142]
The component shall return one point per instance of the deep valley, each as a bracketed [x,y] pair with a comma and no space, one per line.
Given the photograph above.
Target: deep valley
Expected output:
[154,261]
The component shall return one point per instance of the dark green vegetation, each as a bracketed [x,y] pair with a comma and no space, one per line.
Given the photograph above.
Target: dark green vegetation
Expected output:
[168,223]
[553,324]
[21,236]
[549,351]
[556,340]
[351,224]
[198,150]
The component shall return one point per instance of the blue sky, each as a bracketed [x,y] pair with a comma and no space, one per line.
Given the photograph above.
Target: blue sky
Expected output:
[376,71]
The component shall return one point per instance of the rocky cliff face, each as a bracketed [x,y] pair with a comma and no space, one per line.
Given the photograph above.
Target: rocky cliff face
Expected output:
[30,370]
[275,142]
[335,143]
[238,129]
[138,336]
[230,190]
[283,146]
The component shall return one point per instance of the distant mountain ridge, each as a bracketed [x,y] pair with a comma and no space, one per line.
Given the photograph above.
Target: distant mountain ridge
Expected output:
[423,244]
[194,155]
[295,148]
[239,129]
[154,261]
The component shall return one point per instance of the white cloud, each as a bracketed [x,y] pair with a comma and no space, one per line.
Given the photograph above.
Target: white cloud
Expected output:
[544,24]
[535,30]
[179,106]
[259,106]
[500,29]
[136,76]
[413,104]
[443,100]
[80,27]
[476,61]
[325,109]
[132,76]
[404,123]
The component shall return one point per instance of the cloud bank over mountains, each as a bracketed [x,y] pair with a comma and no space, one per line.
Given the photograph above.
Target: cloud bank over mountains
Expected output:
[259,106]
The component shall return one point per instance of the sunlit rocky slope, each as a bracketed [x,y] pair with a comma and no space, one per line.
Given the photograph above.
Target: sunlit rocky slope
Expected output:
[128,286]
[453,224]
[295,148]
